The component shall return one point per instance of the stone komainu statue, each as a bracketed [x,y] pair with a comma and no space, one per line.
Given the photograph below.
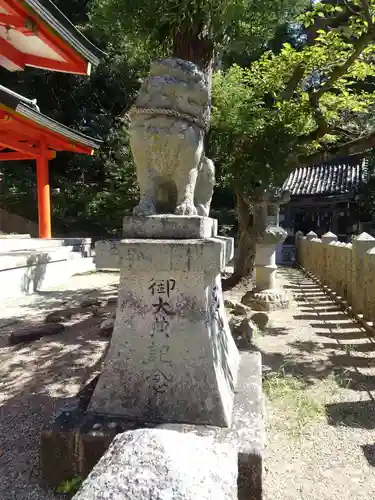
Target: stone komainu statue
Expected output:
[167,131]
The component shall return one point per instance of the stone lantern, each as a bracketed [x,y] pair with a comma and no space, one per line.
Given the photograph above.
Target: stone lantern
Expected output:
[266,296]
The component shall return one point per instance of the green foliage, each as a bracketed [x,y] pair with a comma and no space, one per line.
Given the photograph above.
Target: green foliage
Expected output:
[70,486]
[240,23]
[292,103]
[251,142]
[90,195]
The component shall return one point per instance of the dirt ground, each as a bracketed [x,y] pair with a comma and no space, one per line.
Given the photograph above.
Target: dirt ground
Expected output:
[319,382]
[37,378]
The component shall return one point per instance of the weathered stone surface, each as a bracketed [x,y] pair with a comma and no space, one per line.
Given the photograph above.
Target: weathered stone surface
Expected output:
[62,315]
[247,298]
[106,327]
[241,310]
[273,235]
[107,254]
[31,333]
[93,302]
[234,324]
[204,187]
[247,432]
[186,256]
[270,300]
[163,464]
[260,319]
[230,304]
[242,329]
[74,440]
[247,330]
[171,342]
[172,227]
[166,137]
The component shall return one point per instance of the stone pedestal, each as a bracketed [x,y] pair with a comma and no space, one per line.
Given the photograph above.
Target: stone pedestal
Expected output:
[172,357]
[266,296]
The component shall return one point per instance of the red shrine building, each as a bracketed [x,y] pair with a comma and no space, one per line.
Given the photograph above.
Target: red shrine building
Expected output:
[35,33]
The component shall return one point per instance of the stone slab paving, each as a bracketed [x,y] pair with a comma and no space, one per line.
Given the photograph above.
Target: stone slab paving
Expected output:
[330,453]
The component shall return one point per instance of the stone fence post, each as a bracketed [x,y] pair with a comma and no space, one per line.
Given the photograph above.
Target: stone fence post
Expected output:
[298,238]
[339,268]
[361,245]
[347,270]
[369,299]
[311,235]
[326,268]
[316,256]
[315,245]
[307,252]
[333,256]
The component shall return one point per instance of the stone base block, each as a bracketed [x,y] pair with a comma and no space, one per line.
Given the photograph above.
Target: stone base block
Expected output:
[172,357]
[168,226]
[107,254]
[269,300]
[160,463]
[74,441]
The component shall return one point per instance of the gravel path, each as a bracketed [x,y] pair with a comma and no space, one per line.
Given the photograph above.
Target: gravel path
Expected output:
[37,378]
[321,438]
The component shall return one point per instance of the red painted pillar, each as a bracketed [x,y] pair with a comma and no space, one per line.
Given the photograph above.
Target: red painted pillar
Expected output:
[44,203]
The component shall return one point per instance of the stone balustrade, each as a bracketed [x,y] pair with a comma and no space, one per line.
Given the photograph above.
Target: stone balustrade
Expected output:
[346,269]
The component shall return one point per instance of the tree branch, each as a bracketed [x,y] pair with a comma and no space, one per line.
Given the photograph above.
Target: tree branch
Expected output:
[322,125]
[358,47]
[293,82]
[331,22]
[366,10]
[326,24]
[314,97]
[348,149]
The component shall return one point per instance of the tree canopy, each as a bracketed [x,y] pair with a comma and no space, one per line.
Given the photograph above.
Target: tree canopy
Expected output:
[299,105]
[309,101]
[238,24]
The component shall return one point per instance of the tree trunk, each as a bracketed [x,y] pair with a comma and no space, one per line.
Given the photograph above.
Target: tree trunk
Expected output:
[246,242]
[251,228]
[194,46]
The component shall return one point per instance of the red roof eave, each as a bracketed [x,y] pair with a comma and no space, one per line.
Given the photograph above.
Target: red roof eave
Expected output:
[25,22]
[24,136]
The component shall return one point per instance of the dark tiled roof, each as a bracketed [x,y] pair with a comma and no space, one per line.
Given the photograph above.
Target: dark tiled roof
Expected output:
[339,177]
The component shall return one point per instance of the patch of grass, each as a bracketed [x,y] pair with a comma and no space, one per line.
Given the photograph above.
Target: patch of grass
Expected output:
[288,393]
[348,349]
[341,378]
[70,486]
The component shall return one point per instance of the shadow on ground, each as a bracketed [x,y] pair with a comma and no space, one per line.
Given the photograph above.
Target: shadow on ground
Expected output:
[341,351]
[29,309]
[369,453]
[37,378]
[352,414]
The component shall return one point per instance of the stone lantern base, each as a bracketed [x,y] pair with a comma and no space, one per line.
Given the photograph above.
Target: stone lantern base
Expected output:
[266,296]
[268,300]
